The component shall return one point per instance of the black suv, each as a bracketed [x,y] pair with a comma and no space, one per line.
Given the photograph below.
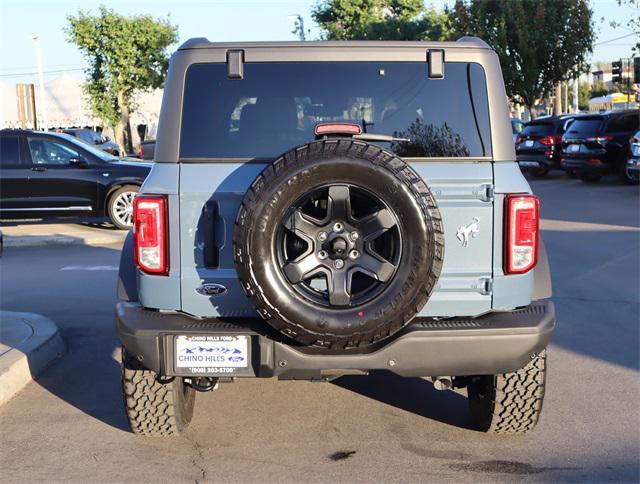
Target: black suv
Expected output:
[538,144]
[46,175]
[598,144]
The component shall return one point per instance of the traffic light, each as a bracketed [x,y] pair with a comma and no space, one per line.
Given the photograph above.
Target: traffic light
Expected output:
[616,71]
[636,70]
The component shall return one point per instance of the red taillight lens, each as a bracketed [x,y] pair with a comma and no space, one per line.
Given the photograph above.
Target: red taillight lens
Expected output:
[150,238]
[549,140]
[140,150]
[521,233]
[337,128]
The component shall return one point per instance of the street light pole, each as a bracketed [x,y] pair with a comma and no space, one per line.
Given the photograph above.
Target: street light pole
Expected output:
[43,101]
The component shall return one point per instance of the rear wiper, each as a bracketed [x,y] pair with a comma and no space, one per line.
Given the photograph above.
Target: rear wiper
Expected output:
[385,138]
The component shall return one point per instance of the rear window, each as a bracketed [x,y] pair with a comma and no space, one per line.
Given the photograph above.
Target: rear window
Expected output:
[277,105]
[583,127]
[539,129]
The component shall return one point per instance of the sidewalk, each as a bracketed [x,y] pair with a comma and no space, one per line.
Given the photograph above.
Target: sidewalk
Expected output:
[32,234]
[28,344]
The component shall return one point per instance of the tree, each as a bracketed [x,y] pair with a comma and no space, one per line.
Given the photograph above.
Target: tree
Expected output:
[598,89]
[125,55]
[379,20]
[539,42]
[632,24]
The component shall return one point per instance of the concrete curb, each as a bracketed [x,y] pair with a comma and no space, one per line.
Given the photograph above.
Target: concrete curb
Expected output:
[29,343]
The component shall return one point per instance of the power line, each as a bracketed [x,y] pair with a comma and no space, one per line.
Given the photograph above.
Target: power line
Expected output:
[44,72]
[617,38]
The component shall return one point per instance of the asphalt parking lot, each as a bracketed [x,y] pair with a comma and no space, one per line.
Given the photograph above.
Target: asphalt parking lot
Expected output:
[69,425]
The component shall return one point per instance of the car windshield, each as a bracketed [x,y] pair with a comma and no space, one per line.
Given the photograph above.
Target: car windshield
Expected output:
[584,127]
[538,129]
[86,146]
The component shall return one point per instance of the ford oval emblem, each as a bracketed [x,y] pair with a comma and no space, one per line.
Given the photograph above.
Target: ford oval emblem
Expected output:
[211,289]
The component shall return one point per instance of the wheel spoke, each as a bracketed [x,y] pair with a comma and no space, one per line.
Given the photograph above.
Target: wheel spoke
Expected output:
[298,271]
[382,270]
[300,225]
[339,203]
[339,288]
[376,224]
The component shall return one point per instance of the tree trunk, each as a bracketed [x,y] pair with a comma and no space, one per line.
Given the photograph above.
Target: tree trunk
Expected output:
[118,136]
[124,124]
[532,110]
[557,101]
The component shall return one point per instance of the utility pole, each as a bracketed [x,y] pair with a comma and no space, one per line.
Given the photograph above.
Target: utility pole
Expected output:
[575,106]
[298,25]
[43,101]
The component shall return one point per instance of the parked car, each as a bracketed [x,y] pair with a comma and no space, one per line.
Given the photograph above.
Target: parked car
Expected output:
[516,127]
[633,162]
[539,144]
[147,149]
[336,249]
[598,144]
[94,138]
[48,175]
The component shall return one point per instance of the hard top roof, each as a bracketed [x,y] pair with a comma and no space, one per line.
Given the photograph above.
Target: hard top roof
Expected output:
[463,42]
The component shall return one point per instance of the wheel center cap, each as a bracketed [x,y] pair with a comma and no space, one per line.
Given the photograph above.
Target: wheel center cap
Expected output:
[339,246]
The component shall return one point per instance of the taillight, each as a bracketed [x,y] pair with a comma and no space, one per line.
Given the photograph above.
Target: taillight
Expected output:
[337,128]
[140,150]
[549,140]
[521,233]
[150,238]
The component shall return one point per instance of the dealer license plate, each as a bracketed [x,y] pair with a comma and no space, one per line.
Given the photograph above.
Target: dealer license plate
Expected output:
[209,354]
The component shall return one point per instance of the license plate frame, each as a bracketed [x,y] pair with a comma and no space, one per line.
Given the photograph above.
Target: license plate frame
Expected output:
[528,143]
[225,355]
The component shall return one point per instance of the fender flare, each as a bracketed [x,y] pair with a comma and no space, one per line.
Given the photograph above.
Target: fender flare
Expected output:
[127,288]
[542,276]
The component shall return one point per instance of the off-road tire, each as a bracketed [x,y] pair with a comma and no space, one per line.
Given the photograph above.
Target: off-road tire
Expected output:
[111,209]
[509,403]
[154,408]
[338,161]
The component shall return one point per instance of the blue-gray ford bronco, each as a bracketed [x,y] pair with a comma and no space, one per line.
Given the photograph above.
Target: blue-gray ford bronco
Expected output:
[322,209]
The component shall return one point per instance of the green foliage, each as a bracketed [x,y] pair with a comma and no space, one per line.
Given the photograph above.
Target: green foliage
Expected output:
[598,89]
[125,55]
[632,24]
[539,42]
[584,95]
[379,20]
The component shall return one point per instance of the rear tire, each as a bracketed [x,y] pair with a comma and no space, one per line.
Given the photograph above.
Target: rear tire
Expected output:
[154,408]
[542,171]
[509,403]
[120,206]
[589,177]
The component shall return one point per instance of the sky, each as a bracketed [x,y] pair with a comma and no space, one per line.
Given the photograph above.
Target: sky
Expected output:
[218,20]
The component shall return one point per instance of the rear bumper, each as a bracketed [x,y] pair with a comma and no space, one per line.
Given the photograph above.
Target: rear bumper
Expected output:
[535,161]
[494,343]
[586,165]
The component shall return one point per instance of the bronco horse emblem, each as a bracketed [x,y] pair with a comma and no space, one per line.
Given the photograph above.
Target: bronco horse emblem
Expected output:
[465,231]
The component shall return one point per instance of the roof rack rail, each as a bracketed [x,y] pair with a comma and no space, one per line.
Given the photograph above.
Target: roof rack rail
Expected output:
[474,40]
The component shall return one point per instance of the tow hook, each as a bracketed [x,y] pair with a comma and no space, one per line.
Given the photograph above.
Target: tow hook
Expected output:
[202,383]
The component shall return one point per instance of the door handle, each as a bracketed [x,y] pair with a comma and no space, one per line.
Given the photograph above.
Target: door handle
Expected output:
[38,168]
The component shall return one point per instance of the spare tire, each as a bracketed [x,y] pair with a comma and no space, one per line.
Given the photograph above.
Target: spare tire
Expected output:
[338,243]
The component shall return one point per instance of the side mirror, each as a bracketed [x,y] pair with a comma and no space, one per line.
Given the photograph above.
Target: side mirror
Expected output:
[79,162]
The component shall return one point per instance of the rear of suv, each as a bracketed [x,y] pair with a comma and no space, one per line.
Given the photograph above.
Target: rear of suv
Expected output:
[328,209]
[539,143]
[597,145]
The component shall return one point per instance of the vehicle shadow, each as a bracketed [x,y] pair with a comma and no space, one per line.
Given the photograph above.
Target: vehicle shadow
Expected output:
[415,395]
